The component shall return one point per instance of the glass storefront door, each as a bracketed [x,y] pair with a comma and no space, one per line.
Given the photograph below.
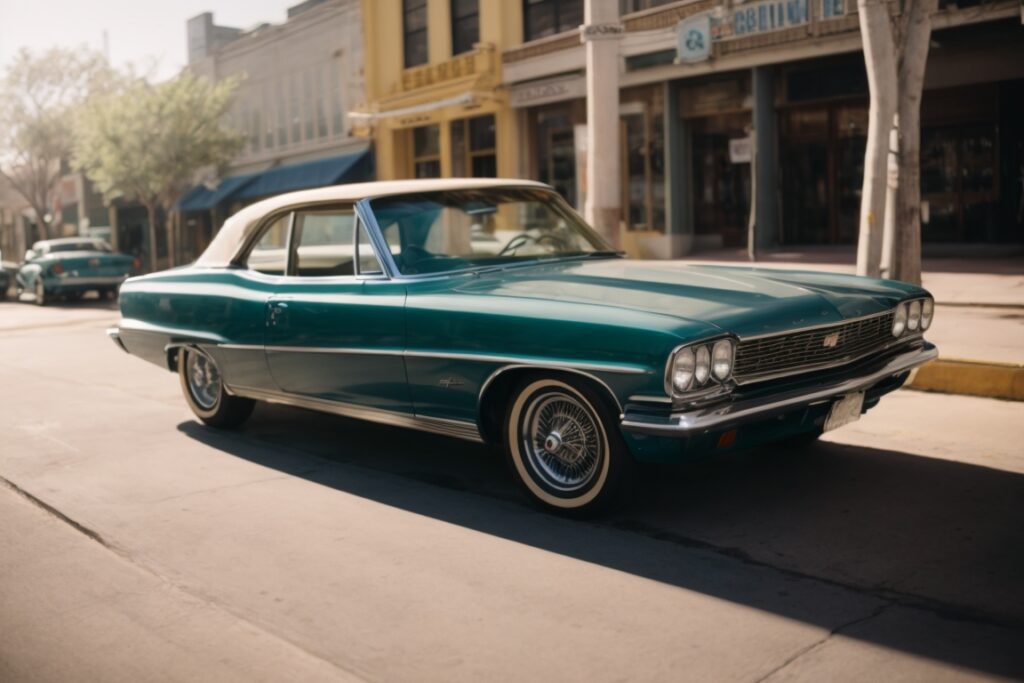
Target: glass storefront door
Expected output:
[959,182]
[721,188]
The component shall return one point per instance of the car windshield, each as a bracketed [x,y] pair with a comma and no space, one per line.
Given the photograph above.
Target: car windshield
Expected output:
[435,232]
[88,245]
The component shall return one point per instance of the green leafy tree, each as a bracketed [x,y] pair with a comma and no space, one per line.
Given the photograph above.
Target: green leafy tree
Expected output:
[147,142]
[39,93]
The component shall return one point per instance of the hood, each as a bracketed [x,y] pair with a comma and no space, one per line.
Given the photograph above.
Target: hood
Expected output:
[742,301]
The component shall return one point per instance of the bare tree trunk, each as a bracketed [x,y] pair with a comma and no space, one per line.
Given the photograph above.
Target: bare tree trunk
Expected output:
[916,40]
[171,218]
[151,231]
[880,60]
[892,185]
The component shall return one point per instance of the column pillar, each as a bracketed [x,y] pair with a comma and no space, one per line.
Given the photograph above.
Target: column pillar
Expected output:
[678,174]
[600,36]
[766,159]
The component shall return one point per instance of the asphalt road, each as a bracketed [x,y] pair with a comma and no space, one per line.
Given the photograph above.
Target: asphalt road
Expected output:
[136,544]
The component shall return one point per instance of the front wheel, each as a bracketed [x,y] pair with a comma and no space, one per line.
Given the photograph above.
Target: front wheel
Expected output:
[564,447]
[205,394]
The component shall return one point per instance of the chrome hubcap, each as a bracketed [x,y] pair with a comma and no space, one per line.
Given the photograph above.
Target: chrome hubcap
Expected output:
[562,441]
[203,379]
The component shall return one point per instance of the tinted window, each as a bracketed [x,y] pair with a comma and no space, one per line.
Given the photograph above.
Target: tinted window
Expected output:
[324,242]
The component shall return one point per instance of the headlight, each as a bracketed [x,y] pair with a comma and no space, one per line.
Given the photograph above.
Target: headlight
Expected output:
[913,315]
[682,370]
[703,369]
[721,358]
[927,313]
[899,321]
[693,367]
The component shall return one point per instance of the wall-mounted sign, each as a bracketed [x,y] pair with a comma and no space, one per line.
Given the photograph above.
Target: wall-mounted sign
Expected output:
[551,90]
[760,17]
[693,36]
[740,150]
[601,31]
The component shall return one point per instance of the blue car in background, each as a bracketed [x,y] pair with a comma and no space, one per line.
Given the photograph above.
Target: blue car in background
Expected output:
[69,267]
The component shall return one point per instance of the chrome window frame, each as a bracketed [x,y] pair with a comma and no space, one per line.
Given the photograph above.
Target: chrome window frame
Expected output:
[242,255]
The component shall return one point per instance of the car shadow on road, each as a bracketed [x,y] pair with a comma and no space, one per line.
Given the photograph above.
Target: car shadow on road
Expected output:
[895,528]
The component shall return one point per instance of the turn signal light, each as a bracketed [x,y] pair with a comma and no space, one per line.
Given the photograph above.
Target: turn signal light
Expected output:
[137,264]
[57,269]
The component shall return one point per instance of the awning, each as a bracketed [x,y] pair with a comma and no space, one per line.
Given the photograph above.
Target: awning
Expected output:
[331,171]
[202,198]
[465,99]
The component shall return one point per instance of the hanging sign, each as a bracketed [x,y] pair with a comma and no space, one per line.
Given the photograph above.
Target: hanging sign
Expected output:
[693,37]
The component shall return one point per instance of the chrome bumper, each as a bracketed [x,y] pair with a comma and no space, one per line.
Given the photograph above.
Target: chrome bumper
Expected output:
[89,281]
[699,420]
[115,335]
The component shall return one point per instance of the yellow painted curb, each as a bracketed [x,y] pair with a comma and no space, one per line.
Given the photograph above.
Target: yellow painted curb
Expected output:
[974,378]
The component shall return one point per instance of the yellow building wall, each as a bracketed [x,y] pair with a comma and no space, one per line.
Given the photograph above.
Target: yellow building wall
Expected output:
[390,86]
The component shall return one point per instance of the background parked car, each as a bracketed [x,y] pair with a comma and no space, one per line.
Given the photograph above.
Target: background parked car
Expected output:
[70,267]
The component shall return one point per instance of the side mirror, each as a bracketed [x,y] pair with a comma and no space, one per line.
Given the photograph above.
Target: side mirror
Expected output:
[29,255]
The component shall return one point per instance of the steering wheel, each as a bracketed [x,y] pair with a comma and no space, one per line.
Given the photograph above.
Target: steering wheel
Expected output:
[525,238]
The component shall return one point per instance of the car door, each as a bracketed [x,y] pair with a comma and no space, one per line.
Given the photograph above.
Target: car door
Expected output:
[335,330]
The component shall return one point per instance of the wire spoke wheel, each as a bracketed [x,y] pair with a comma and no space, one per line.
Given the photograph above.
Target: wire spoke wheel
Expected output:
[204,381]
[562,442]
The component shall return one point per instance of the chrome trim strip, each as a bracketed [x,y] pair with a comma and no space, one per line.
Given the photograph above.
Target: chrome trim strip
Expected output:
[797,330]
[522,361]
[455,428]
[683,424]
[641,398]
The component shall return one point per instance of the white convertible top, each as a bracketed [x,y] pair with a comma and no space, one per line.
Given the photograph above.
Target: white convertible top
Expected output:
[238,228]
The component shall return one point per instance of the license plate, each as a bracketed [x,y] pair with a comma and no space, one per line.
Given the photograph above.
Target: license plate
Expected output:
[844,411]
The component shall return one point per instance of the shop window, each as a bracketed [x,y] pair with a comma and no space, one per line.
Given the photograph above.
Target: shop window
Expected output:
[554,132]
[547,17]
[643,163]
[721,187]
[465,25]
[426,151]
[474,147]
[414,29]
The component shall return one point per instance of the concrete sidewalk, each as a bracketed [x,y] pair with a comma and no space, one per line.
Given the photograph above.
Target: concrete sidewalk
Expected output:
[979,318]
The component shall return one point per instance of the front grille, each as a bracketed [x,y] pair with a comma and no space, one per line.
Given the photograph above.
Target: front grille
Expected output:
[795,352]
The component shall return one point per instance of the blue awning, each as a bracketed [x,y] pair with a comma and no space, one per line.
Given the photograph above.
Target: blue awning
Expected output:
[331,171]
[201,198]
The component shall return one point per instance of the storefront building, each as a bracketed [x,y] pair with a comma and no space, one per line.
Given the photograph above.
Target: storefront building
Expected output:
[706,87]
[435,106]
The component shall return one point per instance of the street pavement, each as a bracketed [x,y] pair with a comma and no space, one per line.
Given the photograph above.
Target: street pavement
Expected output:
[136,544]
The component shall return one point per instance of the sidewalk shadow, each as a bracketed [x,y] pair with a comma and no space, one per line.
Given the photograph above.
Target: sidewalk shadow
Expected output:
[882,525]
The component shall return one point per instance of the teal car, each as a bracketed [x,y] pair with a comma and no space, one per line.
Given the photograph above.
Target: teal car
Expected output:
[488,310]
[69,267]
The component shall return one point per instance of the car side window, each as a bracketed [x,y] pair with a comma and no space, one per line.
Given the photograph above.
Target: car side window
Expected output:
[325,243]
[367,255]
[270,254]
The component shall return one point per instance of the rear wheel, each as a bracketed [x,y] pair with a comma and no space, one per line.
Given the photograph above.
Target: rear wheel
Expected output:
[563,445]
[204,391]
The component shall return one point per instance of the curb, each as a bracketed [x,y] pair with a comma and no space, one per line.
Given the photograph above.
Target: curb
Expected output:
[971,377]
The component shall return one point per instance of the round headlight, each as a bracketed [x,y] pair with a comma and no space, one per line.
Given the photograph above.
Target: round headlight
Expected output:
[899,321]
[914,315]
[703,369]
[682,370]
[721,357]
[927,312]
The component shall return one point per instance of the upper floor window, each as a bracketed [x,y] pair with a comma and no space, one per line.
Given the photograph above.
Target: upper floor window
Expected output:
[426,151]
[548,17]
[414,29]
[465,25]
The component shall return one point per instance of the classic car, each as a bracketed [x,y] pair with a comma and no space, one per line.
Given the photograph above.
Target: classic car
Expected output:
[577,361]
[71,266]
